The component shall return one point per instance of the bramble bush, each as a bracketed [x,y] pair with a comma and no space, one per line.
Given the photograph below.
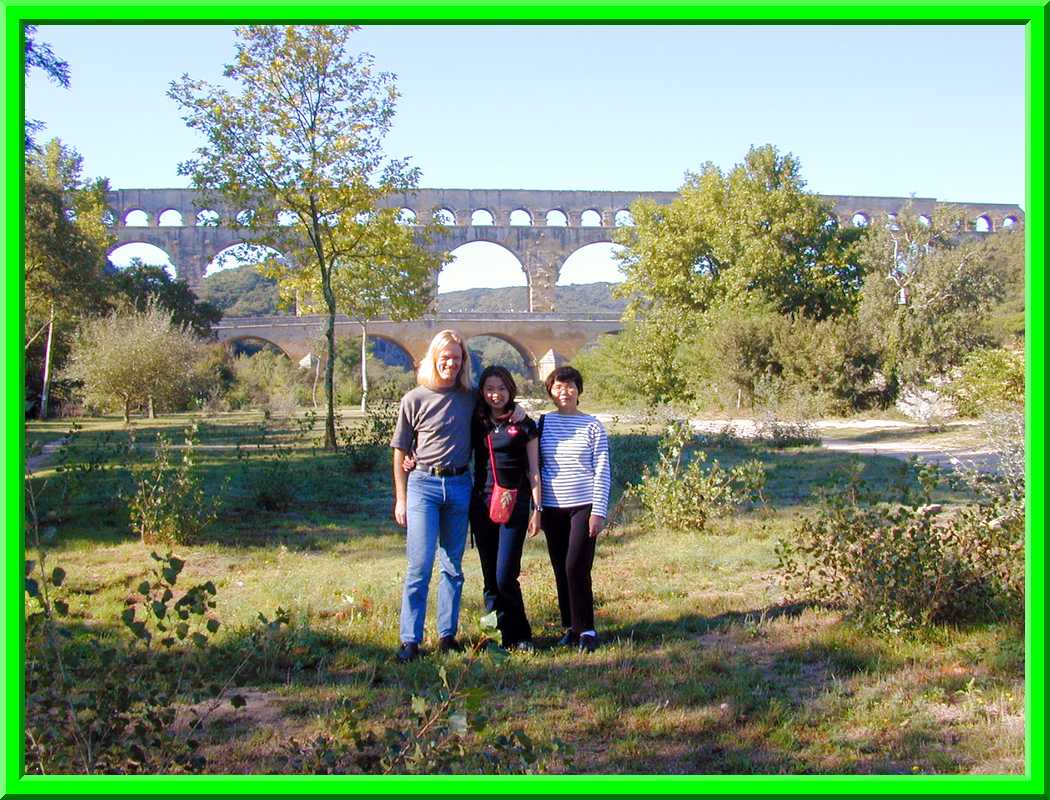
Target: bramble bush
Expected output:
[682,494]
[894,565]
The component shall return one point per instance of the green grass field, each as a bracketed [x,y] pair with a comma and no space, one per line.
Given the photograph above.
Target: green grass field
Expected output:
[705,665]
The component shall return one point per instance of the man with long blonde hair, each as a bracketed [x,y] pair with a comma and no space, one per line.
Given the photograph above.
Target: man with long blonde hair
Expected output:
[433,500]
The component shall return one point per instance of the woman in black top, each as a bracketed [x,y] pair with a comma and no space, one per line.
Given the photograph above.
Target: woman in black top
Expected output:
[515,450]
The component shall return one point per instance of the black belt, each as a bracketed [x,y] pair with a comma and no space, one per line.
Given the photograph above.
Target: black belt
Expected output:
[444,472]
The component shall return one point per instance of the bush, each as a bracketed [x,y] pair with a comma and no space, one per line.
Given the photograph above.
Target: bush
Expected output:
[679,496]
[899,565]
[989,379]
[169,504]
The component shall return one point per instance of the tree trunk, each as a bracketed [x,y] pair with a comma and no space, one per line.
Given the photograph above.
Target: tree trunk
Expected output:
[47,364]
[329,383]
[127,410]
[149,406]
[364,368]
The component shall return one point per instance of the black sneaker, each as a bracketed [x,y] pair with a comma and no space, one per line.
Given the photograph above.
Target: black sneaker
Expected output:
[409,652]
[588,643]
[448,644]
[569,639]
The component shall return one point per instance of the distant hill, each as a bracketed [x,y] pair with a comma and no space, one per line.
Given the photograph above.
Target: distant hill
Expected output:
[585,298]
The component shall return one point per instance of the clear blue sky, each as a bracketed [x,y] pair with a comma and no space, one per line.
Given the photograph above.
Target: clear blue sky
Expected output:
[937,111]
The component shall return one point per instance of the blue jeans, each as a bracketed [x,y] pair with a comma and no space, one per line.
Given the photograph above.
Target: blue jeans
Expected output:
[436,512]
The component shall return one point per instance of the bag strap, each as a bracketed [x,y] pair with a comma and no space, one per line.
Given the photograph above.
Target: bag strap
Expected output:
[492,462]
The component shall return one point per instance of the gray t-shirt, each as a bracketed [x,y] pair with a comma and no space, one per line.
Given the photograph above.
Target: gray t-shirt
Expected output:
[435,425]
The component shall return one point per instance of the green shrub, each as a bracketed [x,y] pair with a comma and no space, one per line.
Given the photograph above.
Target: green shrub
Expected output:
[989,379]
[169,504]
[682,496]
[893,565]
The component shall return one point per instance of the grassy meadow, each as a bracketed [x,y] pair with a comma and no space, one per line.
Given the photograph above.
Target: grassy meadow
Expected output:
[706,666]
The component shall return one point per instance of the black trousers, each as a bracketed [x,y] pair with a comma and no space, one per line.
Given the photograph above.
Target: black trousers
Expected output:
[499,547]
[571,550]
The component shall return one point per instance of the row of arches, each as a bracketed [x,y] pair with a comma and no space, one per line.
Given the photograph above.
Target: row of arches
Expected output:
[984,223]
[473,265]
[519,217]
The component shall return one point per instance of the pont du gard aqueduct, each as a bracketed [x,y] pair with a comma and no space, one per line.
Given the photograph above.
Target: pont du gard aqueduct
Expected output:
[541,228]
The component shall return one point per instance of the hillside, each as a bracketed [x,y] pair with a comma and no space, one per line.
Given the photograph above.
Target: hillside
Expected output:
[588,298]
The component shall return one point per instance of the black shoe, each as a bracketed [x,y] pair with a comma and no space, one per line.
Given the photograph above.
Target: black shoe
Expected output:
[448,644]
[569,639]
[409,652]
[588,643]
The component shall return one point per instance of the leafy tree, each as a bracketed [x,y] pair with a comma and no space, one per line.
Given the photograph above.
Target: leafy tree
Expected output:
[301,136]
[240,292]
[1003,251]
[927,294]
[135,357]
[750,234]
[140,284]
[64,257]
[39,55]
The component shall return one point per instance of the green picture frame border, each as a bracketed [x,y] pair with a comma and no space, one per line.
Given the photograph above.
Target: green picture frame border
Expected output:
[1032,15]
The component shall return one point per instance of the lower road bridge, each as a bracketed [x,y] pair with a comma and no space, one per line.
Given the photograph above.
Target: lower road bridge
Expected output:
[544,341]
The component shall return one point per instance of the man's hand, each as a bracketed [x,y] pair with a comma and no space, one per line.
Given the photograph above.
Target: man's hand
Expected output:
[400,517]
[408,463]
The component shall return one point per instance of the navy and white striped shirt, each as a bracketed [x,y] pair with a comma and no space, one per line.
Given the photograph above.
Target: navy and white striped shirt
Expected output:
[574,462]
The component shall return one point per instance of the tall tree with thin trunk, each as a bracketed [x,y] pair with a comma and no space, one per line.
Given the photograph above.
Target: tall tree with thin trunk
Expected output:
[297,145]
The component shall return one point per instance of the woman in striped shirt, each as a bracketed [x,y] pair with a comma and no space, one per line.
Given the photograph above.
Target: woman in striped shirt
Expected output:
[575,477]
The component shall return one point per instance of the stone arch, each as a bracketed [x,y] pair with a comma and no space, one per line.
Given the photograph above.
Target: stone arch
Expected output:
[235,344]
[445,216]
[860,219]
[591,218]
[521,217]
[121,255]
[285,218]
[1009,221]
[507,268]
[208,218]
[623,218]
[983,224]
[406,216]
[169,217]
[528,358]
[557,218]
[136,218]
[482,217]
[109,217]
[592,263]
[393,344]
[239,254]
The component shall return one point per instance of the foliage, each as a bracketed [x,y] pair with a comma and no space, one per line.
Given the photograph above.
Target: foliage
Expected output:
[366,445]
[169,504]
[141,284]
[913,563]
[588,298]
[1003,252]
[680,496]
[241,292]
[987,380]
[134,357]
[752,234]
[270,381]
[448,732]
[300,136]
[948,285]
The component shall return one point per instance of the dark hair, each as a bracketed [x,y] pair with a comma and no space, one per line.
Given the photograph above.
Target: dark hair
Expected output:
[495,371]
[564,375]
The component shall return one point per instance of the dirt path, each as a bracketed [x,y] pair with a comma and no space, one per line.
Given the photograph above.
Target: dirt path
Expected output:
[36,462]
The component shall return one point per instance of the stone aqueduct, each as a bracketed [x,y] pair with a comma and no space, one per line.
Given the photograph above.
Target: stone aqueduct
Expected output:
[541,228]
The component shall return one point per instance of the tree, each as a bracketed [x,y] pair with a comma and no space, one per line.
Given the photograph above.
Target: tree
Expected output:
[928,291]
[39,55]
[301,137]
[134,357]
[140,284]
[753,232]
[65,254]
